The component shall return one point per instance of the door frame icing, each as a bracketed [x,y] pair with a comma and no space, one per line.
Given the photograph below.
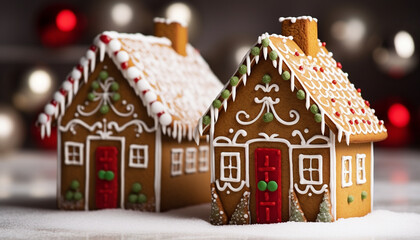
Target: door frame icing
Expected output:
[278,181]
[122,169]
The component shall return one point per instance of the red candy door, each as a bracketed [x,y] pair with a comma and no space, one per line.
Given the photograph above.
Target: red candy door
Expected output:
[268,181]
[106,193]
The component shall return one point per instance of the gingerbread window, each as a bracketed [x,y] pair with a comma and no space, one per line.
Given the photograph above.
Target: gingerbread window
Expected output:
[346,171]
[139,156]
[360,168]
[176,161]
[230,167]
[203,159]
[73,153]
[310,169]
[191,160]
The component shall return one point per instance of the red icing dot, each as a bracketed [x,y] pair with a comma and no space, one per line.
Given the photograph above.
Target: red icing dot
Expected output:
[70,79]
[105,39]
[381,122]
[351,122]
[297,53]
[359,90]
[145,91]
[349,103]
[356,121]
[80,68]
[363,120]
[363,110]
[115,53]
[337,114]
[136,80]
[54,103]
[352,110]
[300,68]
[321,69]
[334,81]
[367,103]
[63,92]
[332,100]
[368,122]
[124,65]
[324,44]
[339,65]
[315,68]
[93,48]
[160,114]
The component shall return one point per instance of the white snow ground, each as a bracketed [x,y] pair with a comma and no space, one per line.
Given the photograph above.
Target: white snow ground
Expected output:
[28,210]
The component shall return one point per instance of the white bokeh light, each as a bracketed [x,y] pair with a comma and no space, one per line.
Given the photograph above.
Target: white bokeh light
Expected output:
[121,14]
[350,32]
[179,12]
[404,44]
[39,81]
[6,126]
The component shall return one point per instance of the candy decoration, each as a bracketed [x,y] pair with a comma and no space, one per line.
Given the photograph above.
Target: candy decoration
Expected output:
[339,65]
[78,196]
[351,122]
[115,86]
[300,95]
[265,42]
[206,120]
[273,55]
[297,54]
[301,68]
[337,114]
[143,85]
[350,199]
[109,175]
[255,51]
[234,81]
[116,97]
[356,121]
[157,107]
[225,94]
[266,79]
[333,100]
[103,75]
[133,72]
[324,44]
[101,174]
[124,65]
[272,186]
[74,185]
[334,81]
[49,109]
[242,69]
[321,69]
[367,103]
[268,117]
[217,103]
[69,195]
[285,75]
[91,96]
[104,109]
[165,119]
[314,109]
[262,186]
[142,198]
[352,110]
[105,39]
[114,45]
[364,195]
[132,198]
[122,56]
[136,187]
[94,85]
[318,118]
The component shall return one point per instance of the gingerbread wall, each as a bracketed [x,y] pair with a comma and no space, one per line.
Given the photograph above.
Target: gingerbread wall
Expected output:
[130,135]
[359,207]
[228,126]
[187,188]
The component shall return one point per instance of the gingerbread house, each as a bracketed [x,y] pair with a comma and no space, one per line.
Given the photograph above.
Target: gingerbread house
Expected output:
[291,139]
[126,117]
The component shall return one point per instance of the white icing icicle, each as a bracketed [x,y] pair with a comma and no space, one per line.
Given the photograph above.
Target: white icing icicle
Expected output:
[76,86]
[274,63]
[292,81]
[225,105]
[280,65]
[244,79]
[257,59]
[233,93]
[102,48]
[347,137]
[216,114]
[248,65]
[307,100]
[265,52]
[322,122]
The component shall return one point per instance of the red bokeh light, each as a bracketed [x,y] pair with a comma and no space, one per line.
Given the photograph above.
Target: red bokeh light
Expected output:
[66,20]
[398,115]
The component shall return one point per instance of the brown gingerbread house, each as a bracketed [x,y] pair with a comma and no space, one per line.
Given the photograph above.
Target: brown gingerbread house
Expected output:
[291,139]
[125,118]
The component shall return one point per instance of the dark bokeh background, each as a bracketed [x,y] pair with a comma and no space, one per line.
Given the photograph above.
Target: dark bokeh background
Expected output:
[361,34]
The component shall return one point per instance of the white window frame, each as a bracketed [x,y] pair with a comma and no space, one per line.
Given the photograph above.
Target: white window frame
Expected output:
[361,158]
[68,154]
[230,178]
[191,160]
[135,159]
[302,170]
[203,158]
[176,161]
[345,171]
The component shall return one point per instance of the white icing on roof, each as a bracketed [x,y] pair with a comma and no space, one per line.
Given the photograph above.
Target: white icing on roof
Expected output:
[293,19]
[169,21]
[175,89]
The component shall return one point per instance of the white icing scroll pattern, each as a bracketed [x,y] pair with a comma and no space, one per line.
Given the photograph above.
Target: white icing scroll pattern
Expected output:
[104,98]
[267,105]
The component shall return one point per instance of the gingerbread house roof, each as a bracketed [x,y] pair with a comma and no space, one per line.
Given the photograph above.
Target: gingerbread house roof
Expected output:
[341,106]
[176,89]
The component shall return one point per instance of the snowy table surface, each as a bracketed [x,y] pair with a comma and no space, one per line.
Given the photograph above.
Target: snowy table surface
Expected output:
[28,209]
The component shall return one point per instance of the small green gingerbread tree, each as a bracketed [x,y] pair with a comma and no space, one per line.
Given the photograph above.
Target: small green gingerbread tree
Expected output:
[324,214]
[296,213]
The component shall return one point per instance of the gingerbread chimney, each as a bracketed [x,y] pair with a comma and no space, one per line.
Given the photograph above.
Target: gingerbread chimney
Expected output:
[304,31]
[175,31]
